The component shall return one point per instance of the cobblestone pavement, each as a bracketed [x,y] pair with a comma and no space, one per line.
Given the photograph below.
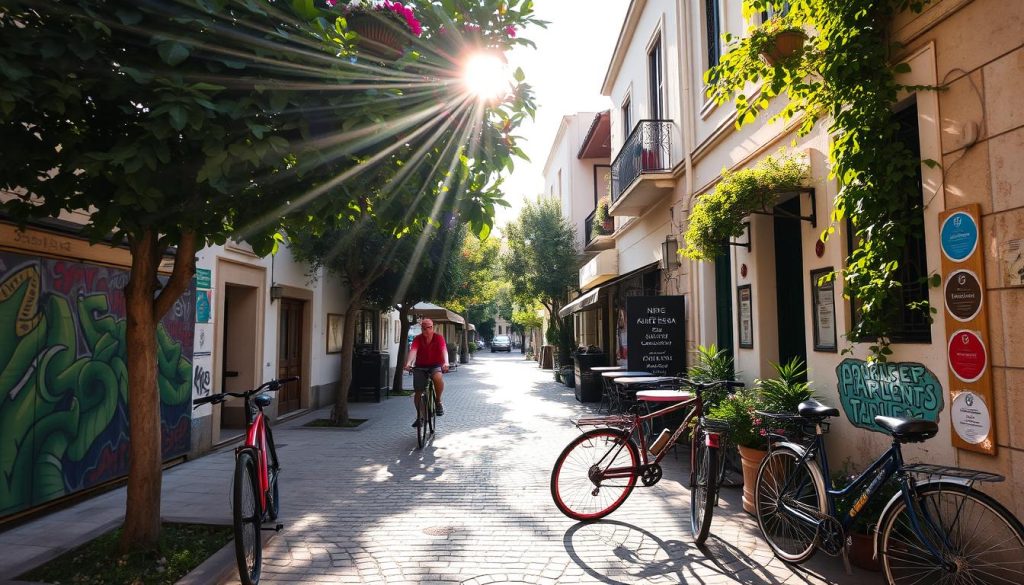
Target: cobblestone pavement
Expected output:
[366,506]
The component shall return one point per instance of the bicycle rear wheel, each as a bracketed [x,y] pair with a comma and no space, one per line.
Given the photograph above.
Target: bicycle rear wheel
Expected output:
[577,484]
[704,485]
[431,401]
[981,542]
[782,482]
[247,517]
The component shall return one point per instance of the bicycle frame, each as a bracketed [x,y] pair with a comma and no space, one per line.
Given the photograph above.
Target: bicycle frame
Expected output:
[256,439]
[881,470]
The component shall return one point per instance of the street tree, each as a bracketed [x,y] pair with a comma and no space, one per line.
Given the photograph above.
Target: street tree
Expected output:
[174,126]
[541,263]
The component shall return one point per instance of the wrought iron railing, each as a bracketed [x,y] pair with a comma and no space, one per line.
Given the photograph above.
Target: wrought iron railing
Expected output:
[648,149]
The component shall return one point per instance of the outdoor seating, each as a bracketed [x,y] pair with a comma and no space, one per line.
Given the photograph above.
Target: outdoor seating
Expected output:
[606,403]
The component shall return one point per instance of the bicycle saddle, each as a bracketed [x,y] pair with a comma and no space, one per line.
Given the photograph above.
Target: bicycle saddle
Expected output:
[814,409]
[908,430]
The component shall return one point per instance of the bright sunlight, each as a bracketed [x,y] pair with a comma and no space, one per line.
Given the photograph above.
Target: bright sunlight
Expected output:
[486,76]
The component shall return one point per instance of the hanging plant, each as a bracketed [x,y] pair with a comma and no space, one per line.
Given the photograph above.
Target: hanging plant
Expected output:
[719,215]
[776,41]
[844,75]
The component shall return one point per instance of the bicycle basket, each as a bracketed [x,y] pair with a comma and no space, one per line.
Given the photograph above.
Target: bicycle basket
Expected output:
[787,426]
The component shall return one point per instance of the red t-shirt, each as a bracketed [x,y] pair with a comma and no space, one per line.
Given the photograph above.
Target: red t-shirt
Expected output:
[434,353]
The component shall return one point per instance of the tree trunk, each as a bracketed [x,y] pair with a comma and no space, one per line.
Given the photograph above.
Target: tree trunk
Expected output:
[339,414]
[144,310]
[403,347]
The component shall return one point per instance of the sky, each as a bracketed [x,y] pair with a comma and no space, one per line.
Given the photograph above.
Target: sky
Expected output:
[566,71]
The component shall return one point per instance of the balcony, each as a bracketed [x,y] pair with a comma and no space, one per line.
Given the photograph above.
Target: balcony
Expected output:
[642,171]
[597,236]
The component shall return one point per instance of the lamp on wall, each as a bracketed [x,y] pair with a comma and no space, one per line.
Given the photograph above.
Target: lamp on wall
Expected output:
[670,253]
[276,292]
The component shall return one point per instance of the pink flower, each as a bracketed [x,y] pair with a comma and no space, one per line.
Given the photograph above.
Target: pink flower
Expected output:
[510,31]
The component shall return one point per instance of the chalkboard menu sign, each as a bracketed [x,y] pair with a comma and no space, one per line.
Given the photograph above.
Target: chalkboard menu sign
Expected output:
[657,335]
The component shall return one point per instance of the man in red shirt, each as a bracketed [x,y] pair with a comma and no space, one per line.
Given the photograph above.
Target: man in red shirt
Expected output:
[428,351]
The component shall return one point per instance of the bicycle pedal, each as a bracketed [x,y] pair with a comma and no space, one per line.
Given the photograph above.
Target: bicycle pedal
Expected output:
[275,528]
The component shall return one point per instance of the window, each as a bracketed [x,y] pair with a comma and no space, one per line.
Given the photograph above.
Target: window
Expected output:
[913,325]
[627,120]
[656,79]
[365,326]
[714,30]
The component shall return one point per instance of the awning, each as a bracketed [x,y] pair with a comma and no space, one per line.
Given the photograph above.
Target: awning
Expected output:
[580,303]
[436,313]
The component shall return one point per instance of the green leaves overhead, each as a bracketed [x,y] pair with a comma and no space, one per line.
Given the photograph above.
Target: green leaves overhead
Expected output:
[844,75]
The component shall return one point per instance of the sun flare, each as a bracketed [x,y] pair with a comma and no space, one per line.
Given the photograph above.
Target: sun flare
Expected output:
[486,76]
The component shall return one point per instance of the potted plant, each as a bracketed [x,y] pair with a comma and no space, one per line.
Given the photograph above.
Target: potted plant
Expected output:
[862,531]
[777,41]
[738,410]
[603,223]
[719,215]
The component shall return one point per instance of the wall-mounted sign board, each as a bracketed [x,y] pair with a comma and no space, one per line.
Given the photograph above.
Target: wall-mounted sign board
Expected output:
[967,341]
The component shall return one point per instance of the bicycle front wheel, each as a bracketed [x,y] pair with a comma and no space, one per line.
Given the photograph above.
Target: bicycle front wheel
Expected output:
[580,482]
[703,485]
[431,400]
[421,426]
[247,517]
[784,485]
[273,470]
[979,540]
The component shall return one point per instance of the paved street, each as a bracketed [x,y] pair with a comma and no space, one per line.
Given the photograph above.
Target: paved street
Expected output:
[365,506]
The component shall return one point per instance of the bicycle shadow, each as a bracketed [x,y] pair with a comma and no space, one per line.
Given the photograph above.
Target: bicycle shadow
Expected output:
[643,556]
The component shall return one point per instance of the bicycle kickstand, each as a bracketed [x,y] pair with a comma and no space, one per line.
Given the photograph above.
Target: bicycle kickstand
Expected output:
[275,528]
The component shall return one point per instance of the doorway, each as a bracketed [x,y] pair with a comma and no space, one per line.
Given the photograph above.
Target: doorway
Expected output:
[789,283]
[238,348]
[289,356]
[723,300]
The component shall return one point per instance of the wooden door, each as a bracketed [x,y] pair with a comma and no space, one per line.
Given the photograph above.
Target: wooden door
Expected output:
[289,359]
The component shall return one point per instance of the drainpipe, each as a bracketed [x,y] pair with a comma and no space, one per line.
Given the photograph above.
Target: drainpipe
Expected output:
[688,132]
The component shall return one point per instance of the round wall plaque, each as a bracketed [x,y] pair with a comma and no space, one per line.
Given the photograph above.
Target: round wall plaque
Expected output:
[963,295]
[967,356]
[971,419]
[959,236]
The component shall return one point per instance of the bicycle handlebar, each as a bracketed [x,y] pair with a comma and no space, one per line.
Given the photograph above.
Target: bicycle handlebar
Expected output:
[271,386]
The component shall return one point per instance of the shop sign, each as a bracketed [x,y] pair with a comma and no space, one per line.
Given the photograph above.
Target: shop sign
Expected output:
[203,278]
[971,418]
[959,236]
[963,295]
[888,389]
[967,356]
[657,342]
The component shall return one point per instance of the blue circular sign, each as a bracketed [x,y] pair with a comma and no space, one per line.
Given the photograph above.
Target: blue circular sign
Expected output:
[959,236]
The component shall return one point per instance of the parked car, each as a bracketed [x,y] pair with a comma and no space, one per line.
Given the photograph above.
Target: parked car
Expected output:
[501,343]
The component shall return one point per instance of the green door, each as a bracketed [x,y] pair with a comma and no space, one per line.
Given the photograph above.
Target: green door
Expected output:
[789,270]
[723,299]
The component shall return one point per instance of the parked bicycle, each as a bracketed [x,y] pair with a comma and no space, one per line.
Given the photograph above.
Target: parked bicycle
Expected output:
[426,408]
[935,530]
[255,493]
[598,470]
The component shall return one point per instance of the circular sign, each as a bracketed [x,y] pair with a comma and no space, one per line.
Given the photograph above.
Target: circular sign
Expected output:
[970,416]
[959,236]
[967,356]
[819,248]
[963,295]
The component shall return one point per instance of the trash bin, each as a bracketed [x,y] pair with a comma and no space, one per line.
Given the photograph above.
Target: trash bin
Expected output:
[588,383]
[370,369]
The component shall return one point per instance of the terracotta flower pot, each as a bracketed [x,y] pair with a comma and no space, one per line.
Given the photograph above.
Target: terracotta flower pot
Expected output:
[751,460]
[375,36]
[861,551]
[787,44]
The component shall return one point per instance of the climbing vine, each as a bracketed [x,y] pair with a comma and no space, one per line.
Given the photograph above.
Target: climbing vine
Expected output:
[844,76]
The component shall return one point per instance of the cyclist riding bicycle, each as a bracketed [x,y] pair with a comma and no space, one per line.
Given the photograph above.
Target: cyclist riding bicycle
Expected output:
[428,351]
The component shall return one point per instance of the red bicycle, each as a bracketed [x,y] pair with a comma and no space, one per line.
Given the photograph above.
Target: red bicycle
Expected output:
[255,490]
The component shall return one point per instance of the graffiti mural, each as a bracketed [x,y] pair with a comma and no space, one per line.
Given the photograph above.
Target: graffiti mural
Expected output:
[64,382]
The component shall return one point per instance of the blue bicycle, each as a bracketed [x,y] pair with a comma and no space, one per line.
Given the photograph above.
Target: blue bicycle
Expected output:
[937,529]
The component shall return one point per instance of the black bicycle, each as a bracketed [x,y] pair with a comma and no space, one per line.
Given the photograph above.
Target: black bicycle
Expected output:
[426,408]
[935,530]
[255,495]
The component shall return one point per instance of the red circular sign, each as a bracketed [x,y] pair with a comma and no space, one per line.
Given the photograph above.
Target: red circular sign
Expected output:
[967,356]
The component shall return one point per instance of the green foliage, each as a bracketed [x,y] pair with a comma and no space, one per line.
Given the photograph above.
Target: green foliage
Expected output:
[844,76]
[600,218]
[542,264]
[738,410]
[719,215]
[787,390]
[182,547]
[712,364]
